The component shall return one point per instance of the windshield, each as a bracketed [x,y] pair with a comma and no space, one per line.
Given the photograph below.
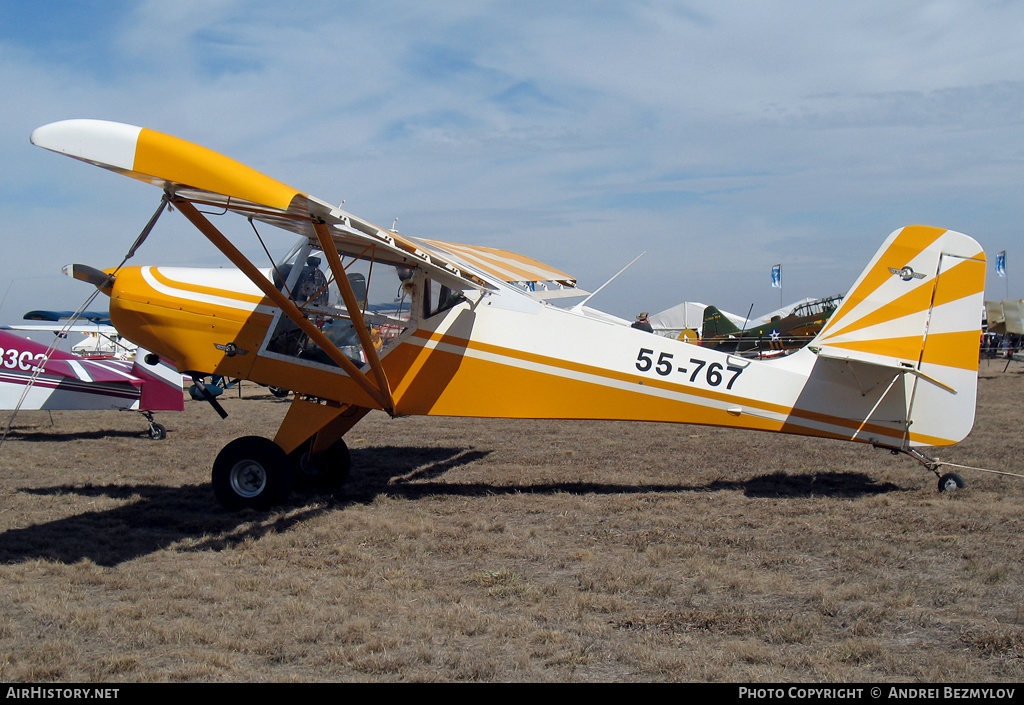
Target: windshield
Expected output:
[384,294]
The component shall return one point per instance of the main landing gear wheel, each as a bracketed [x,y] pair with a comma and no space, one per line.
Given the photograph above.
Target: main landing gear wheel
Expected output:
[951,482]
[326,472]
[251,473]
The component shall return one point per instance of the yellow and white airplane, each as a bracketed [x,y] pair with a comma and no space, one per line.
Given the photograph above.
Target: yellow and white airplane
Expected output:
[357,317]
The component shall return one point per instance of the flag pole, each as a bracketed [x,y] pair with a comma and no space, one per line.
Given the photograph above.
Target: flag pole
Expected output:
[1001,271]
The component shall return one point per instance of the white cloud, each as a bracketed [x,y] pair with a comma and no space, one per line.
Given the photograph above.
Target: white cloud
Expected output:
[722,137]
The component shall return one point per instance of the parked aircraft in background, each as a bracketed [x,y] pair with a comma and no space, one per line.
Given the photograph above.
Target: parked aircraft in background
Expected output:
[895,366]
[782,334]
[1005,317]
[101,339]
[30,378]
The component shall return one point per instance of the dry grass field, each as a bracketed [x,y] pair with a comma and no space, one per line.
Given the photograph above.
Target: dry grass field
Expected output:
[472,550]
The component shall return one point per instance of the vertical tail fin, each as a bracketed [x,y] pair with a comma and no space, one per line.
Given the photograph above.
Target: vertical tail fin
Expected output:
[917,308]
[716,324]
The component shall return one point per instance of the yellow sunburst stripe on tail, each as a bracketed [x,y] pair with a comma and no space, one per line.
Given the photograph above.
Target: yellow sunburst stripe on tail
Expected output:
[957,282]
[958,349]
[907,245]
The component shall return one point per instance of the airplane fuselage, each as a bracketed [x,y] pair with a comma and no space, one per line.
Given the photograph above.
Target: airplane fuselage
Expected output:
[499,353]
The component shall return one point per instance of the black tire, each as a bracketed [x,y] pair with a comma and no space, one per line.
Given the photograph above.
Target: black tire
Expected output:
[278,392]
[951,482]
[252,473]
[329,471]
[157,432]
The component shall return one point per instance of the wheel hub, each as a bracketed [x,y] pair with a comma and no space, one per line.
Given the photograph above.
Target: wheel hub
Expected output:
[248,478]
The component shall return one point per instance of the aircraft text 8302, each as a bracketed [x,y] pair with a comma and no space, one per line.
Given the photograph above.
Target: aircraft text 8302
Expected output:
[14,359]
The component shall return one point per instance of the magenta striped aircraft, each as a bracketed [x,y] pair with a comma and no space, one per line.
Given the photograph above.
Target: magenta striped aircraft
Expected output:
[29,379]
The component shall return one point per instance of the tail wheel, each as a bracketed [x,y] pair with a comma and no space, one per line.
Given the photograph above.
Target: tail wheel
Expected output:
[327,471]
[951,482]
[251,473]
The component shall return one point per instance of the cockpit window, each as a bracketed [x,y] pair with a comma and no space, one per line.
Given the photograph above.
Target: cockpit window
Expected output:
[439,298]
[383,292]
[310,286]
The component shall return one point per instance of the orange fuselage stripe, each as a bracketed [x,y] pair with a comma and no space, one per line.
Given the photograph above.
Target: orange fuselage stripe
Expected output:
[712,416]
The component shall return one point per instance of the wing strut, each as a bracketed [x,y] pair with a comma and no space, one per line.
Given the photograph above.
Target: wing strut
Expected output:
[352,304]
[381,395]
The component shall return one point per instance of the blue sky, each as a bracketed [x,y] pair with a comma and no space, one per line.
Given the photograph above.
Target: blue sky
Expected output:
[719,137]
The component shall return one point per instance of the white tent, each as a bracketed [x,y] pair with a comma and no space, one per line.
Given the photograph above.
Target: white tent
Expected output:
[1005,316]
[689,314]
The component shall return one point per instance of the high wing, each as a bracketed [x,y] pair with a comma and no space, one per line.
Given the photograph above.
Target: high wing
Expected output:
[541,281]
[97,317]
[98,340]
[80,327]
[193,177]
[205,177]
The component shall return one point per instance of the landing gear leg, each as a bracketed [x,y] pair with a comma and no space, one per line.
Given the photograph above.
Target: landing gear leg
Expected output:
[949,482]
[311,434]
[156,431]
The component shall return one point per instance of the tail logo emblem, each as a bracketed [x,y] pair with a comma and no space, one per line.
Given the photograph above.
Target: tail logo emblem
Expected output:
[906,274]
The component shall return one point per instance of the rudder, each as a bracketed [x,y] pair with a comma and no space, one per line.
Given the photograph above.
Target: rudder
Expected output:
[917,308]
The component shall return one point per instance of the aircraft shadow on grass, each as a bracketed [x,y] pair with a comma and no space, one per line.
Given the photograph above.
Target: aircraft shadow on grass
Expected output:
[158,517]
[43,437]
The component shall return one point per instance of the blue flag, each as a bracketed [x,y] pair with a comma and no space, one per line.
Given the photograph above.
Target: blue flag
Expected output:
[1001,264]
[777,276]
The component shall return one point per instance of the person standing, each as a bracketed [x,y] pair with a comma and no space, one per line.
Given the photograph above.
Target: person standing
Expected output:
[643,322]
